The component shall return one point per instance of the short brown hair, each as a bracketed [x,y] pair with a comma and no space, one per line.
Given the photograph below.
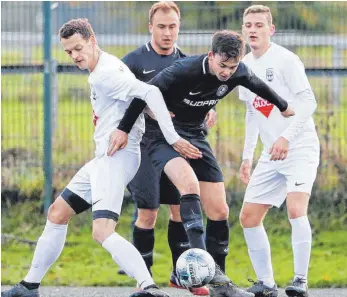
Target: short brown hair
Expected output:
[79,26]
[228,44]
[259,9]
[166,6]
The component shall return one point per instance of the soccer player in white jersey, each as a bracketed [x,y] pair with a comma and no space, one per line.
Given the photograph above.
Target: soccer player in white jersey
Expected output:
[288,164]
[101,182]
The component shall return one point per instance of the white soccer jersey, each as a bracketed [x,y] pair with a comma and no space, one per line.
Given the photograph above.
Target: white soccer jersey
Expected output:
[113,87]
[283,71]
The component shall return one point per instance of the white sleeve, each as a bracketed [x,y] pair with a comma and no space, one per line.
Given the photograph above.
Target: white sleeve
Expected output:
[303,112]
[297,81]
[252,132]
[126,87]
[243,93]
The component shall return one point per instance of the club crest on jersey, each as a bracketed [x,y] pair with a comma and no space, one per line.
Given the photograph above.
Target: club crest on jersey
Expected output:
[222,90]
[270,74]
[262,105]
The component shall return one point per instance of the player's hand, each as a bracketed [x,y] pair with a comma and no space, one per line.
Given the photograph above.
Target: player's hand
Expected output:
[279,150]
[118,141]
[245,171]
[211,118]
[289,112]
[187,150]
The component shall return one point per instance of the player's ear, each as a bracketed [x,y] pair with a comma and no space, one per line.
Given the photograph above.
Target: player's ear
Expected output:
[150,27]
[210,55]
[272,29]
[93,40]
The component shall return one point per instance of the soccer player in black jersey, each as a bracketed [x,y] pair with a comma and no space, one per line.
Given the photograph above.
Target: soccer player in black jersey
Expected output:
[191,87]
[149,189]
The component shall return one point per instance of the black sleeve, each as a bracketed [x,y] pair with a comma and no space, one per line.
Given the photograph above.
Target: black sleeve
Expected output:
[131,114]
[136,106]
[257,86]
[164,80]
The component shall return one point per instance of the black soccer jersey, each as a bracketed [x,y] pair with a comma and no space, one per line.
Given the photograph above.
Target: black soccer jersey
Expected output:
[146,63]
[190,91]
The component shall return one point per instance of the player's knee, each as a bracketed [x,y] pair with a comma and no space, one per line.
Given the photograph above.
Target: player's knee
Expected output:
[219,213]
[249,220]
[190,186]
[59,213]
[295,211]
[100,234]
[147,218]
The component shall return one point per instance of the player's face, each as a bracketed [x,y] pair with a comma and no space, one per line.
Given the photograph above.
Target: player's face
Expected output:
[220,67]
[257,30]
[164,29]
[81,51]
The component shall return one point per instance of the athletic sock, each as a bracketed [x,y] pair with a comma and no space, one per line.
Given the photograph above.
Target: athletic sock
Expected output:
[128,258]
[260,254]
[301,243]
[144,242]
[49,247]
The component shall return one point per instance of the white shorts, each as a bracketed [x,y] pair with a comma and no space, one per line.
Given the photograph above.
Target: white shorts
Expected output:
[101,183]
[271,181]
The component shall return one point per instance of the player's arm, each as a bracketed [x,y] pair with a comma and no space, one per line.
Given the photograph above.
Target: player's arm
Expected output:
[297,81]
[257,86]
[163,80]
[251,139]
[126,87]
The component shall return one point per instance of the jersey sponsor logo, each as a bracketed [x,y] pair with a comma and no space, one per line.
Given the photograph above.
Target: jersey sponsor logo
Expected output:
[146,72]
[222,90]
[193,94]
[201,103]
[262,105]
[270,74]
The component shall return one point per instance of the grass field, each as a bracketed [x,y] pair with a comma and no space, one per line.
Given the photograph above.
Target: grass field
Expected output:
[84,263]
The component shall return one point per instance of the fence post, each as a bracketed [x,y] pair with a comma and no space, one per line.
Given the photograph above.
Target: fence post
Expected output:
[47,106]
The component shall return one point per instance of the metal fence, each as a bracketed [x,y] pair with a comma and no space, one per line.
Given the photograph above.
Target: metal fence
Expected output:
[313,30]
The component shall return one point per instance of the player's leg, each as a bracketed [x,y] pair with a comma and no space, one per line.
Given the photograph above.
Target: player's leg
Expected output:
[144,189]
[300,178]
[213,200]
[207,169]
[51,242]
[266,189]
[108,182]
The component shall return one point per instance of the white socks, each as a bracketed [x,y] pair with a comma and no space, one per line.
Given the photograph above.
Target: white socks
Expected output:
[128,258]
[260,254]
[301,242]
[48,249]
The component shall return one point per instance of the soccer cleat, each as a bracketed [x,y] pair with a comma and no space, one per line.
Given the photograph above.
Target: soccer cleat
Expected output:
[222,286]
[261,290]
[298,289]
[175,283]
[20,291]
[150,291]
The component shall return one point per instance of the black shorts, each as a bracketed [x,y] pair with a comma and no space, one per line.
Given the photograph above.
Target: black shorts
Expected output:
[149,188]
[160,152]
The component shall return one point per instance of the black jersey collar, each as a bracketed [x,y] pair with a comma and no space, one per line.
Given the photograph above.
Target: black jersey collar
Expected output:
[150,48]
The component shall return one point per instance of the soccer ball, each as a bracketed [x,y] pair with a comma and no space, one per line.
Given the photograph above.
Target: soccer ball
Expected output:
[195,268]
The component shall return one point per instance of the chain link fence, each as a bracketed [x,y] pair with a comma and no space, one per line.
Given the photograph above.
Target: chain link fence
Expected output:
[313,30]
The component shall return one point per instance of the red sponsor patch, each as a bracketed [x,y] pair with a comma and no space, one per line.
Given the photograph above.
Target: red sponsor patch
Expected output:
[263,106]
[95,118]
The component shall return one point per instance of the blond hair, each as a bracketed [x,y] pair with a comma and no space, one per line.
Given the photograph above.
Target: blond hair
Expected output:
[259,9]
[166,6]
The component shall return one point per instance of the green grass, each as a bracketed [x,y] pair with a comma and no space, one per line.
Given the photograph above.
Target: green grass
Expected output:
[85,263]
